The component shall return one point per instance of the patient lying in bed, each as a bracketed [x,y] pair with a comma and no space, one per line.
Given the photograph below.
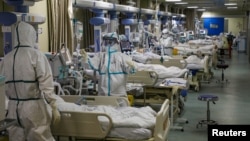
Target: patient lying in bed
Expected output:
[191,48]
[128,122]
[162,71]
[144,57]
[194,62]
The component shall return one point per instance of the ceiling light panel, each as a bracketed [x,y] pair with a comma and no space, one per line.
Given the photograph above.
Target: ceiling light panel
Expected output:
[192,7]
[235,7]
[172,0]
[230,4]
[180,3]
[202,9]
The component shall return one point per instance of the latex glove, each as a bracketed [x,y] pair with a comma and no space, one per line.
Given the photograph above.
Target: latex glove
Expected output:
[131,64]
[83,52]
[84,55]
[55,113]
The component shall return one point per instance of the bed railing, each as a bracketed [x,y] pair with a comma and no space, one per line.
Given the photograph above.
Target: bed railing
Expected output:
[162,126]
[143,77]
[81,125]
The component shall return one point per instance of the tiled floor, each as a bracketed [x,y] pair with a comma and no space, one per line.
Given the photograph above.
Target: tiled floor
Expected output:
[231,108]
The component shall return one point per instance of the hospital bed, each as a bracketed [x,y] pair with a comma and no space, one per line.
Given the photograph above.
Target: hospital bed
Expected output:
[200,70]
[86,125]
[200,73]
[196,76]
[155,93]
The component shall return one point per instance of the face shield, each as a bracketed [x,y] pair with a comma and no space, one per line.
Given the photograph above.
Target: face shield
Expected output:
[165,33]
[109,42]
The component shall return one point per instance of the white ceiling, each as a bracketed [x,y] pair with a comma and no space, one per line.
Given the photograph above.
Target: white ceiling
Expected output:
[215,6]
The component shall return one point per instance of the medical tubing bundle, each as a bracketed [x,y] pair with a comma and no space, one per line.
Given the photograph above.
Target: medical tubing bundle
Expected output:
[79,79]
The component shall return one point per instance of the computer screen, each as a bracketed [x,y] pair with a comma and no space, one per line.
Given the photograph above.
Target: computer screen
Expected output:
[182,34]
[190,33]
[202,32]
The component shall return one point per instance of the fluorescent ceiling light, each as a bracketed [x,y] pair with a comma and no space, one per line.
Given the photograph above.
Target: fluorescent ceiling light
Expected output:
[230,4]
[201,9]
[181,3]
[192,7]
[235,7]
[172,0]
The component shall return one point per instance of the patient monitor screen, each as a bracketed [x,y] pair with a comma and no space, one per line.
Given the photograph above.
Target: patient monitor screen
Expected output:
[190,33]
[182,34]
[202,32]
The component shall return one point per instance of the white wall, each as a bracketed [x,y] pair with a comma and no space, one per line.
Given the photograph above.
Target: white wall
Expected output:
[40,8]
[235,25]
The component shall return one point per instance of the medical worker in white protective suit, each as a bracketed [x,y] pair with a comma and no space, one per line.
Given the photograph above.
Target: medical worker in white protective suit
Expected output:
[29,87]
[112,65]
[223,43]
[166,38]
[166,41]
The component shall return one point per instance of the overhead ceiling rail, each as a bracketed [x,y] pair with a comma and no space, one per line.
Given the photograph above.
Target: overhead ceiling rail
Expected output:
[111,6]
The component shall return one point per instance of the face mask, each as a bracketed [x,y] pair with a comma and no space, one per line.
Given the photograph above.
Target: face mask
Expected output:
[164,36]
[109,43]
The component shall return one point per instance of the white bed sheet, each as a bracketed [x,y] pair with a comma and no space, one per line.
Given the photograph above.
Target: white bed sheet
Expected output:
[144,57]
[201,42]
[131,133]
[122,116]
[175,82]
[194,62]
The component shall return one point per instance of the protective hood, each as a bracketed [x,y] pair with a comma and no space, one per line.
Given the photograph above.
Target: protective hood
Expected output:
[25,35]
[165,31]
[111,42]
[221,35]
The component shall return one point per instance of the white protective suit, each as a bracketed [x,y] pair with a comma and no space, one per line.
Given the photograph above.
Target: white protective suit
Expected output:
[113,67]
[166,41]
[223,43]
[28,83]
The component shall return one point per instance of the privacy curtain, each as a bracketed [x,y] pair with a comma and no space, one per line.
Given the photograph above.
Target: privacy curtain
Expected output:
[60,25]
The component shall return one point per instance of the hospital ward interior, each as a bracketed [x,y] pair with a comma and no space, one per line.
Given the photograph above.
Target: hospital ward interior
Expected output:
[123,70]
